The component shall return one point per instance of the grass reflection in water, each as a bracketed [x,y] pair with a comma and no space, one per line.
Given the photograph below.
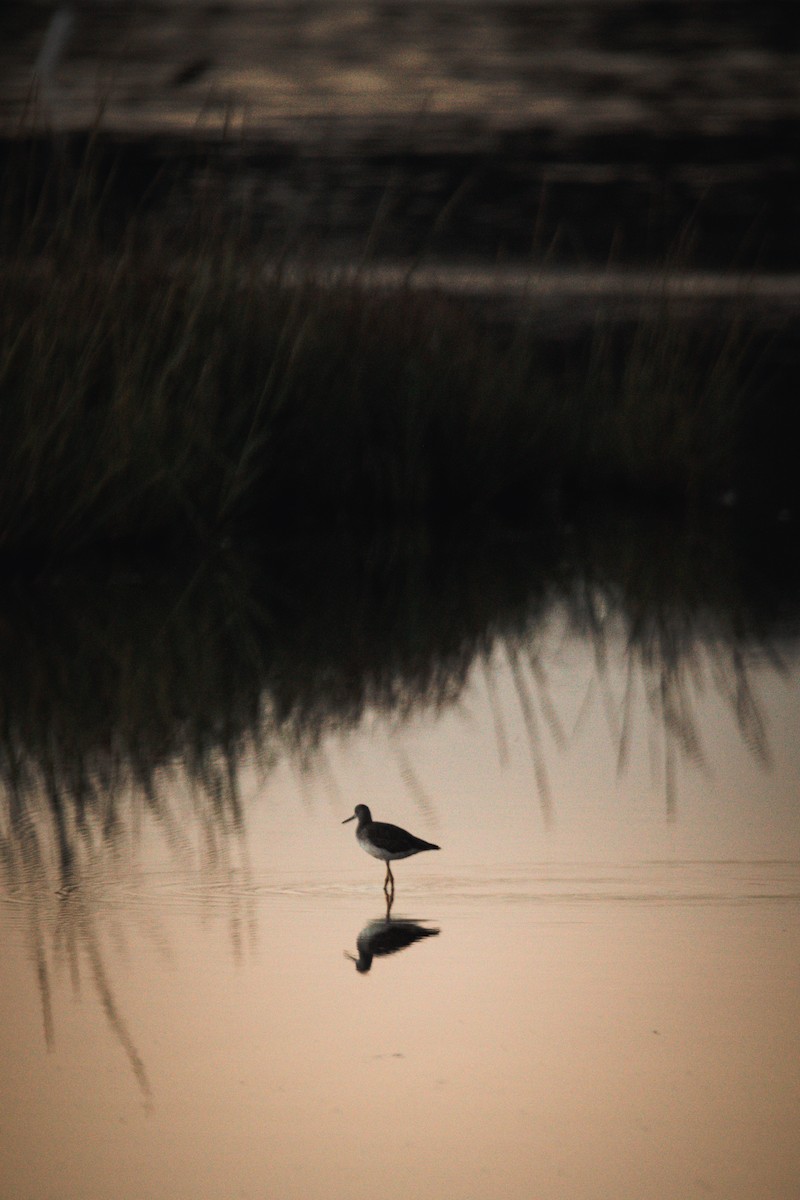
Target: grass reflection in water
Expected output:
[118,678]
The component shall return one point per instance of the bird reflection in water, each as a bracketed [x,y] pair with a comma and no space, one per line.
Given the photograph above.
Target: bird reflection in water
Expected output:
[380,938]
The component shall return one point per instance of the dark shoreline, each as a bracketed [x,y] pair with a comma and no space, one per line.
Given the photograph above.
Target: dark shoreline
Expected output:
[625,202]
[657,139]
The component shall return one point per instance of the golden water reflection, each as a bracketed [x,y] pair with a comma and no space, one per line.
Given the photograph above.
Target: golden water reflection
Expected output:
[590,991]
[665,1034]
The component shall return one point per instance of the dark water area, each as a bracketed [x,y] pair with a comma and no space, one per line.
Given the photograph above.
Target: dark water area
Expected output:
[580,132]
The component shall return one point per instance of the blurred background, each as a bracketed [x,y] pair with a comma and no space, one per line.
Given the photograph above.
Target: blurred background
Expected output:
[586,131]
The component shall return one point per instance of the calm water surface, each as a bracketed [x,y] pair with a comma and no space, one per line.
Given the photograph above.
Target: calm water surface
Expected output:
[593,989]
[597,990]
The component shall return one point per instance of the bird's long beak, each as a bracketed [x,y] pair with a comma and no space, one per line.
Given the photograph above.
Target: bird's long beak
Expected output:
[344,822]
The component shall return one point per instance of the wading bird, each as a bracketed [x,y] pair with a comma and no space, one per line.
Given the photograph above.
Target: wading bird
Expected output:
[387,842]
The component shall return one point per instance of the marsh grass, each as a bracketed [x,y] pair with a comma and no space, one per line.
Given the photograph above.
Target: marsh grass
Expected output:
[663,402]
[163,384]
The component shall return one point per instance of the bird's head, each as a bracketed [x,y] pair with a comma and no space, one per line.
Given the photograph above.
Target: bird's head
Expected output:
[362,813]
